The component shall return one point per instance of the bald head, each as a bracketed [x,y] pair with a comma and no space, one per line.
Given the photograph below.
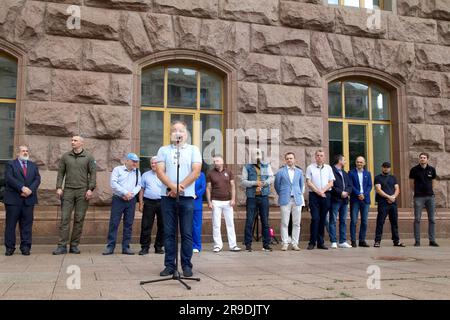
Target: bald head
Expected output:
[77,144]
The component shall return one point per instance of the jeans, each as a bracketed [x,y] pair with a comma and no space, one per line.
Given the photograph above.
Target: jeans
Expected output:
[429,203]
[356,207]
[384,210]
[119,207]
[262,204]
[152,208]
[319,209]
[186,213]
[338,207]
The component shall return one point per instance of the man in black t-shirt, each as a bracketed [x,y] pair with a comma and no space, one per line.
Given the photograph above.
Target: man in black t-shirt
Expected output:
[422,178]
[387,191]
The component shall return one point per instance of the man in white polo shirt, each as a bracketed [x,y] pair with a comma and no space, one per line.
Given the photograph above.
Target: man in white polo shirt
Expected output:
[319,178]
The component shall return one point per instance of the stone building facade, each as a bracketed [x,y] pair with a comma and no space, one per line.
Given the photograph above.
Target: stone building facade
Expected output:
[276,58]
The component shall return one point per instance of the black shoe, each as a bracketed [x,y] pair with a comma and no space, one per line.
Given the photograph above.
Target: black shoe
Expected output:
[74,250]
[159,250]
[248,247]
[60,250]
[310,247]
[433,244]
[187,272]
[127,251]
[9,252]
[143,251]
[166,272]
[26,252]
[321,246]
[108,251]
[399,244]
[363,244]
[267,248]
[417,244]
[354,245]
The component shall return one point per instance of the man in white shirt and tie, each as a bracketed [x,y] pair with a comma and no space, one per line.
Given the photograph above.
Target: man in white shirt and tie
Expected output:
[319,178]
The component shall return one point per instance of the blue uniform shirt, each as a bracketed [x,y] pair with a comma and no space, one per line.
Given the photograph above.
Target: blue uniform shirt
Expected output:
[152,185]
[124,181]
[189,154]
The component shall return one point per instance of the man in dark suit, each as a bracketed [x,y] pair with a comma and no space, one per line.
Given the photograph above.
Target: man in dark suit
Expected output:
[340,193]
[360,200]
[22,180]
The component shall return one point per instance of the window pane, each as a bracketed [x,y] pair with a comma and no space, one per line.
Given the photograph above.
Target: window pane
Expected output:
[182,88]
[152,87]
[335,2]
[8,78]
[335,134]
[210,91]
[380,104]
[357,142]
[372,4]
[152,123]
[334,100]
[186,118]
[356,100]
[351,3]
[381,146]
[212,139]
[7,116]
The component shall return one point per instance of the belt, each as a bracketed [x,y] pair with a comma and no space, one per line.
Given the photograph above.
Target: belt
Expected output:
[154,200]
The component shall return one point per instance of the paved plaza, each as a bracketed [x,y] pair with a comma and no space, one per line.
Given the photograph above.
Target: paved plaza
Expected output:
[405,273]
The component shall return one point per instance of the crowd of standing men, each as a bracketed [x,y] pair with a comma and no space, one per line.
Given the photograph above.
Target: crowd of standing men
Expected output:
[332,192]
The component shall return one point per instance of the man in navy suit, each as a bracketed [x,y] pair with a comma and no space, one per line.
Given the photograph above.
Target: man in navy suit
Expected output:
[340,193]
[360,200]
[22,180]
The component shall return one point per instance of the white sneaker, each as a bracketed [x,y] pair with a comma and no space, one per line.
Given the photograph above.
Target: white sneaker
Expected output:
[344,245]
[195,250]
[295,247]
[334,245]
[284,247]
[235,249]
[217,249]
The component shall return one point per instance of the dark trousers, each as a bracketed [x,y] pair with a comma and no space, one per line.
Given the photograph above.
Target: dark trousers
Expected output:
[384,210]
[152,208]
[257,204]
[24,216]
[186,212]
[319,207]
[119,207]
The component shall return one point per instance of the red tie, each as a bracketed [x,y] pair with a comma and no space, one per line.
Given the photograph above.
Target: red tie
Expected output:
[24,168]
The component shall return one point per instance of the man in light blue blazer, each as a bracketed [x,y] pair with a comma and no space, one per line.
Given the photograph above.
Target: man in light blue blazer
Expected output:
[289,185]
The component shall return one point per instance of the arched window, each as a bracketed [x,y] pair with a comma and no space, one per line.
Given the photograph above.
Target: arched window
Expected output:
[180,92]
[360,123]
[8,91]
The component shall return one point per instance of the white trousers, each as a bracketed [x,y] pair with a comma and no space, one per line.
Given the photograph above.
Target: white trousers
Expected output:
[296,217]
[224,207]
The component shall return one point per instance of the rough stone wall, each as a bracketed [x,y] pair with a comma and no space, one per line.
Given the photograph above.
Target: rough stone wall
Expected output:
[81,80]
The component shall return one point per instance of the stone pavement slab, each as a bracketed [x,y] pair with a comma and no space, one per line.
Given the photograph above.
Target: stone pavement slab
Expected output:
[341,274]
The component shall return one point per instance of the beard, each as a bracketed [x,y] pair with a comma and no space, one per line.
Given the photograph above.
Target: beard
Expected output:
[24,158]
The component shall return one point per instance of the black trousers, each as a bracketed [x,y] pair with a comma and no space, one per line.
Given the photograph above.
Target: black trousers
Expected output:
[152,208]
[384,210]
[24,216]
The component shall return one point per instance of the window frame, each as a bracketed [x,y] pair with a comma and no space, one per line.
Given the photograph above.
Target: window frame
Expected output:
[368,123]
[196,113]
[362,4]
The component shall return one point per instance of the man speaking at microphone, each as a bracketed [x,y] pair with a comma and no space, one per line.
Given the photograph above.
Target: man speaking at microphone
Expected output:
[190,161]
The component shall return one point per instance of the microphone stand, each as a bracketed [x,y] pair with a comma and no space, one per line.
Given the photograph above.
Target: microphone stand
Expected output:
[176,274]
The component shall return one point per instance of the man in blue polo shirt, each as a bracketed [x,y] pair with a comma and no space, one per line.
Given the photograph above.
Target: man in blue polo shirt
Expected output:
[190,161]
